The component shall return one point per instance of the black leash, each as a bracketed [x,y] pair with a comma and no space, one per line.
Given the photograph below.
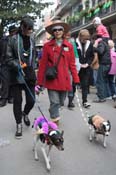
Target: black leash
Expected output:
[21,75]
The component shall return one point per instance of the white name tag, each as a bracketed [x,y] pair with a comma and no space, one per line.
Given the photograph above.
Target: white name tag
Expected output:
[66,48]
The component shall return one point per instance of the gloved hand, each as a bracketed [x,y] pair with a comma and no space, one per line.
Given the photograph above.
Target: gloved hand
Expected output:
[38,89]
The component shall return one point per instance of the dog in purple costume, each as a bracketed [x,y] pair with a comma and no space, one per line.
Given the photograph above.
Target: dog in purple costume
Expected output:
[47,132]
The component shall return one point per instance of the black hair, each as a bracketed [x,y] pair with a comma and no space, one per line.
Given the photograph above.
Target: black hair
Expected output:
[27,22]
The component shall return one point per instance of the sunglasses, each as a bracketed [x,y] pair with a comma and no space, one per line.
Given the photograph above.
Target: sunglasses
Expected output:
[55,30]
[29,28]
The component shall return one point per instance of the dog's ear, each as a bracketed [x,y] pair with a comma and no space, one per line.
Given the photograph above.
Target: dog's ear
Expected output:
[109,124]
[62,133]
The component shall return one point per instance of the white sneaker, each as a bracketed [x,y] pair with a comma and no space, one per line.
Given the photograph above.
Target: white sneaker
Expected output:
[86,105]
[114,97]
[109,98]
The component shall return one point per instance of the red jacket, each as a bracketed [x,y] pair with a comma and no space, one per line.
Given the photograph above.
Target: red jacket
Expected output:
[66,65]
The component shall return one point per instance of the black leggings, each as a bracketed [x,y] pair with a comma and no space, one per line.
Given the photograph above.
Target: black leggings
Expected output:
[84,76]
[18,99]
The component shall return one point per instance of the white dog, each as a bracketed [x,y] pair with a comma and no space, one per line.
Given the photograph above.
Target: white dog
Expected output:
[47,132]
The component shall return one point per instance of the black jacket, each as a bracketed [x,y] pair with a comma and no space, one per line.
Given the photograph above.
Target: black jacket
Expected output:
[103,51]
[3,47]
[13,56]
[88,55]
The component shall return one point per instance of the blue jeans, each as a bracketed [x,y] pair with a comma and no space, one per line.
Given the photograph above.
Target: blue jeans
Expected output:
[102,80]
[95,76]
[56,101]
[111,84]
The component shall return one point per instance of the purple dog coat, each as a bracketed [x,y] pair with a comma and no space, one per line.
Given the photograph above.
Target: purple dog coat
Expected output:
[45,124]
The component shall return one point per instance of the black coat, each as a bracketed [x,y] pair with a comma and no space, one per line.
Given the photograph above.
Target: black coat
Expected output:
[13,57]
[103,51]
[88,55]
[3,47]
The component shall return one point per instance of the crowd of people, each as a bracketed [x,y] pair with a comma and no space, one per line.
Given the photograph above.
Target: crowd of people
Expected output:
[64,64]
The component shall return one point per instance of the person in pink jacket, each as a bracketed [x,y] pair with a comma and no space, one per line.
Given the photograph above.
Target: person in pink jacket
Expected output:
[101,30]
[58,87]
[112,72]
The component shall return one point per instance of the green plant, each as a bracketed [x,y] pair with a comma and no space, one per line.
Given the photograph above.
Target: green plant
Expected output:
[107,4]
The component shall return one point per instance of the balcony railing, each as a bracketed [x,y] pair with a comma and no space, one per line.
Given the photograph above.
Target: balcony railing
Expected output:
[85,20]
[64,6]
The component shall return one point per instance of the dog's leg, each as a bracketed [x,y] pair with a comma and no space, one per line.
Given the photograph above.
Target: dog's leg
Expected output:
[36,138]
[90,132]
[48,154]
[46,158]
[104,141]
[95,135]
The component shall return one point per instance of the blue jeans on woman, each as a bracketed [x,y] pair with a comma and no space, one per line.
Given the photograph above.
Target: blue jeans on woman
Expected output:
[56,101]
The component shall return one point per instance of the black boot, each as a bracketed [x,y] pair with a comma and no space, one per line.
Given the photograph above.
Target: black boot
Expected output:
[71,104]
[18,133]
[10,100]
[3,102]
[26,119]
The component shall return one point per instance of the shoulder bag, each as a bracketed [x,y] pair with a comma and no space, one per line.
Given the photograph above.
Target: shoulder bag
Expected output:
[51,71]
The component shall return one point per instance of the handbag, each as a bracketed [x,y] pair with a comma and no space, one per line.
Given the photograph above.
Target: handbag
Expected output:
[51,71]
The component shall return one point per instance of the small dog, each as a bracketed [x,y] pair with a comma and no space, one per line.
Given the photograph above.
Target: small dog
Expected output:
[47,132]
[98,125]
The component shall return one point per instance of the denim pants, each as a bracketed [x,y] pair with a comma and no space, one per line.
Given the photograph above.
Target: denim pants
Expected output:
[102,80]
[95,76]
[111,85]
[72,92]
[56,101]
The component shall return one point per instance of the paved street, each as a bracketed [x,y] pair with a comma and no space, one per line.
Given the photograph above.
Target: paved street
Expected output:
[80,157]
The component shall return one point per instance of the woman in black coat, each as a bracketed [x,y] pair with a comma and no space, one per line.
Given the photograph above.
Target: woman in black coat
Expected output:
[86,55]
[20,59]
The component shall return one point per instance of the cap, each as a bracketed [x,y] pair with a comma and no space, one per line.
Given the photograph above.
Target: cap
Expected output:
[12,28]
[96,20]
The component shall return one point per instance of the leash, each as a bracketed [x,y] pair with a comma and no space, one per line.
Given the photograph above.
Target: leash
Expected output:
[21,75]
[84,114]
